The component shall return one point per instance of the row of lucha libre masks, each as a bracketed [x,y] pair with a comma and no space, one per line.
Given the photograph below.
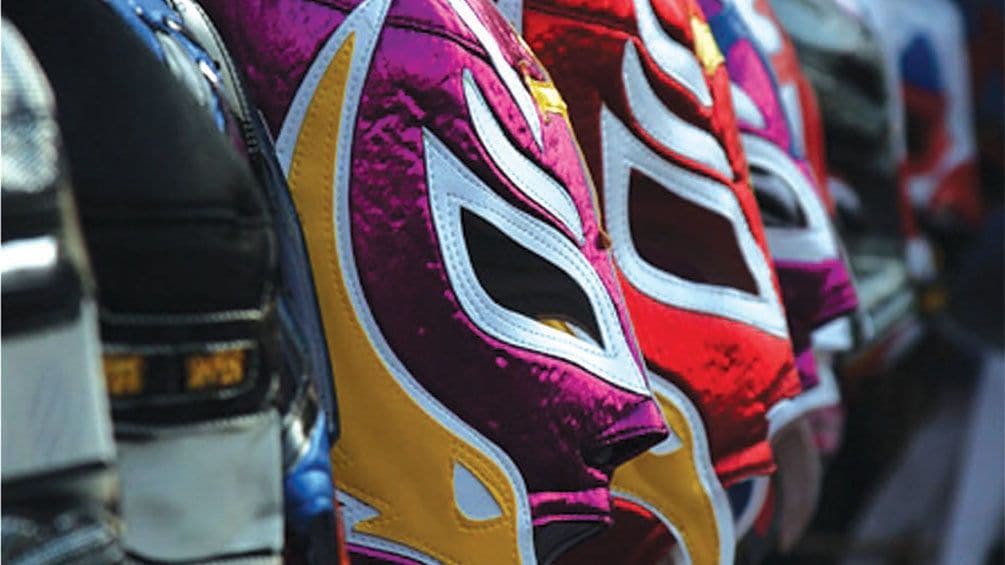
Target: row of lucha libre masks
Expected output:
[579,274]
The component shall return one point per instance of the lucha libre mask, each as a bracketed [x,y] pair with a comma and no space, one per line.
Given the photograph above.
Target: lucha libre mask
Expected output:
[487,374]
[655,125]
[882,19]
[780,128]
[647,97]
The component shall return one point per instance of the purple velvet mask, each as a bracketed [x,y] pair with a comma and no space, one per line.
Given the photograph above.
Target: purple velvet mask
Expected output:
[454,237]
[816,285]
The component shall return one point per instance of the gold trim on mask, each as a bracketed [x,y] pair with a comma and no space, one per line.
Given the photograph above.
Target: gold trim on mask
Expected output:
[546,96]
[671,485]
[705,46]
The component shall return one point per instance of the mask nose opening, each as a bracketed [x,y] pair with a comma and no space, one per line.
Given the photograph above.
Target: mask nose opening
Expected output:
[553,540]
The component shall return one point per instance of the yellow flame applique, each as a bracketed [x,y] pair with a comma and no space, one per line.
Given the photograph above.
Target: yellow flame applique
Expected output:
[680,486]
[705,46]
[546,96]
[394,455]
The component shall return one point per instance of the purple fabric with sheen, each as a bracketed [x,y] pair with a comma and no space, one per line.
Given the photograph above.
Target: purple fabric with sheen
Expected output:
[710,8]
[549,415]
[814,294]
[747,70]
[806,363]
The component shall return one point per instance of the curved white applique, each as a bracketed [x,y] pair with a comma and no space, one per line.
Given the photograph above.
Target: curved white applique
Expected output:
[541,187]
[746,109]
[669,445]
[454,188]
[706,470]
[765,33]
[680,552]
[788,94]
[673,58]
[622,153]
[768,39]
[512,10]
[473,499]
[812,243]
[666,127]
[510,78]
[826,393]
[354,512]
[366,22]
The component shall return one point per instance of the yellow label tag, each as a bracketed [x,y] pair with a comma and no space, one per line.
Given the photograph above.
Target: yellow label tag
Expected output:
[123,374]
[219,369]
[547,97]
[705,46]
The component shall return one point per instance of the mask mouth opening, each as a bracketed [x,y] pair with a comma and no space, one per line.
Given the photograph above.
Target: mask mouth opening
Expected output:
[619,543]
[554,539]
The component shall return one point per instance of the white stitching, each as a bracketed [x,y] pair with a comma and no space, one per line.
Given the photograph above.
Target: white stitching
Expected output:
[622,152]
[518,224]
[522,171]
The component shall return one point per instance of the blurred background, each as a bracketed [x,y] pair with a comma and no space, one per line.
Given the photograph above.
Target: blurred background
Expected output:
[918,477]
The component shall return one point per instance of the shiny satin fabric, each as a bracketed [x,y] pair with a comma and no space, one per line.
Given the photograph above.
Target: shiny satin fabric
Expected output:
[482,394]
[648,96]
[652,113]
[780,127]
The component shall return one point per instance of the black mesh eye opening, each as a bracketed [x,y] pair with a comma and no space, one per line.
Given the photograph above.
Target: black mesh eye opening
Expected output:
[776,199]
[523,281]
[686,239]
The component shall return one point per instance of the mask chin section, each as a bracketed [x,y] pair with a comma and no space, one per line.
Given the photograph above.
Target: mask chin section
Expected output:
[554,539]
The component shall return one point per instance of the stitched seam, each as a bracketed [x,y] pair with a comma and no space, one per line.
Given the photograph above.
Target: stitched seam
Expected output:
[686,133]
[619,229]
[453,249]
[527,185]
[622,228]
[354,294]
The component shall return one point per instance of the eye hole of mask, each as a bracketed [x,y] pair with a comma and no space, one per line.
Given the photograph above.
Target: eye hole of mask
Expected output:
[686,239]
[778,202]
[522,281]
